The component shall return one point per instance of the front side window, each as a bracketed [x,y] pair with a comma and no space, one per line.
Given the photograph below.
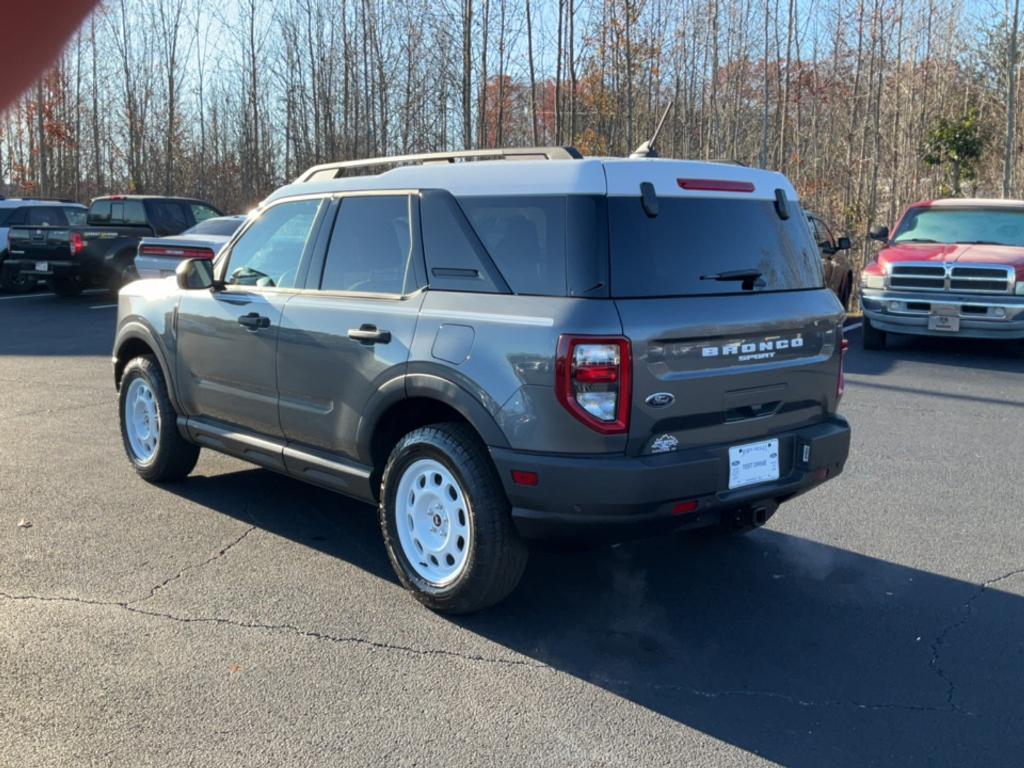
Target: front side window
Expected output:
[988,226]
[369,250]
[268,254]
[202,212]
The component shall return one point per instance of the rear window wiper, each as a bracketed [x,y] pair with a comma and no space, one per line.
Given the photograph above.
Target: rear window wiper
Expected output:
[749,277]
[978,242]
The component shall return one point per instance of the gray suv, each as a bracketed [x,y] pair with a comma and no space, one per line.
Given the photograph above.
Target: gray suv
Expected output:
[499,346]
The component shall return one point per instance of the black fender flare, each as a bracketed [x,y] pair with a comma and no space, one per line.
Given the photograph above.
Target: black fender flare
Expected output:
[139,330]
[431,387]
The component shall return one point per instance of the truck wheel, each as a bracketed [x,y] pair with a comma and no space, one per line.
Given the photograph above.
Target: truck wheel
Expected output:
[122,275]
[871,337]
[66,287]
[12,281]
[446,521]
[149,429]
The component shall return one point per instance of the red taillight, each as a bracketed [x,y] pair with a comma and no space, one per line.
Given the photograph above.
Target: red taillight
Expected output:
[841,386]
[593,378]
[715,185]
[76,243]
[178,253]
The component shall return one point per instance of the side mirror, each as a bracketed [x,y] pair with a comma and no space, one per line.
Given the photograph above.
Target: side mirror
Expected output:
[844,244]
[881,234]
[194,274]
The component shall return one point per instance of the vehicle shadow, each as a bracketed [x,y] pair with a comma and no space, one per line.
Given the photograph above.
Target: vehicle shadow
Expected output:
[800,652]
[41,324]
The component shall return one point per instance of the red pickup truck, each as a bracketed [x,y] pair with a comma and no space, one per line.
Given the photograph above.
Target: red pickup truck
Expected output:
[950,268]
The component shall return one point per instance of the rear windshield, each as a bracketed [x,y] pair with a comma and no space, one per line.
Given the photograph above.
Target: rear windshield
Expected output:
[222,227]
[76,216]
[991,226]
[695,238]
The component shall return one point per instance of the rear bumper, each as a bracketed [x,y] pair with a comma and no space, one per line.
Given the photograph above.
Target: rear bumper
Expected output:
[62,269]
[981,316]
[620,497]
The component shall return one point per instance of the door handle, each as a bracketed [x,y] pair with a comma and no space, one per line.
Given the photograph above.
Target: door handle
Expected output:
[254,321]
[368,334]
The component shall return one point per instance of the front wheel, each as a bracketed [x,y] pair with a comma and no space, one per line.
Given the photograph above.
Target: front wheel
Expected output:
[871,337]
[446,521]
[149,428]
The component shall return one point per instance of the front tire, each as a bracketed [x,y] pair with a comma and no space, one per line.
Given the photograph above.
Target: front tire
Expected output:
[149,424]
[446,521]
[871,337]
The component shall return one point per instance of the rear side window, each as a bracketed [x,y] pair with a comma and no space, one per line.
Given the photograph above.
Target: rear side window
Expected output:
[369,249]
[678,252]
[525,237]
[46,216]
[168,217]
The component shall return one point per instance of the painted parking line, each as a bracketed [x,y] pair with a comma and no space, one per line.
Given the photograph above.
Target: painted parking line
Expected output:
[26,296]
[104,306]
[853,326]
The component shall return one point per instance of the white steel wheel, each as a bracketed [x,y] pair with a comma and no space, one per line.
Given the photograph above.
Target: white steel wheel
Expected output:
[433,522]
[141,421]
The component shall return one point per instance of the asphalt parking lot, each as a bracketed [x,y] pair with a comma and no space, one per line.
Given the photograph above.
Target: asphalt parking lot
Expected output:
[241,618]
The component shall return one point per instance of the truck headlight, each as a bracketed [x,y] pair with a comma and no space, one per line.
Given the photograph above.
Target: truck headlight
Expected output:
[872,281]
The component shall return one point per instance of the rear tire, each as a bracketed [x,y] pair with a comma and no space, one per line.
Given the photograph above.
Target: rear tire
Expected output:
[66,287]
[12,281]
[871,337]
[123,275]
[447,523]
[149,424]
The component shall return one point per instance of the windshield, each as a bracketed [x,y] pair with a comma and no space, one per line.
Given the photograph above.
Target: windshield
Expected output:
[993,226]
[697,246]
[219,226]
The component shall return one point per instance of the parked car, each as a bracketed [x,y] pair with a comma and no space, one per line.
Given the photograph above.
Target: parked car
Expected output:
[101,251]
[497,351]
[160,256]
[835,258]
[39,215]
[950,268]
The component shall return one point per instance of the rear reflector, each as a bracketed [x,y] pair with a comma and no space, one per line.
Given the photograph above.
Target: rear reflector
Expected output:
[684,507]
[715,185]
[520,477]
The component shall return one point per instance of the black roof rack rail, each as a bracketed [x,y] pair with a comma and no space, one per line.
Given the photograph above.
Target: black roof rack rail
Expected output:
[332,170]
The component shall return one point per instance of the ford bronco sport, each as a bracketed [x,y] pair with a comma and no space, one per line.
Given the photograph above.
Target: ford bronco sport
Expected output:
[502,345]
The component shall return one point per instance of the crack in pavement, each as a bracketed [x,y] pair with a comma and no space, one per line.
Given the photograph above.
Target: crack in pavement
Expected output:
[941,637]
[613,685]
[219,554]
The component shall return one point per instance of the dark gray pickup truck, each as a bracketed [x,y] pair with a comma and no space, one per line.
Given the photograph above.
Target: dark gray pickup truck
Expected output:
[102,252]
[499,346]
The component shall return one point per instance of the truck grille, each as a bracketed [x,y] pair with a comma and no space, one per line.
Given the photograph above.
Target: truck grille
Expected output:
[951,278]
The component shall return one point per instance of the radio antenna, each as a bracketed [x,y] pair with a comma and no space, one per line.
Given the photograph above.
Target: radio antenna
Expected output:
[647,148]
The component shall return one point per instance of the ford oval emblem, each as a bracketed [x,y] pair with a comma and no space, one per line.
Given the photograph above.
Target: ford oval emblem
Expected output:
[660,399]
